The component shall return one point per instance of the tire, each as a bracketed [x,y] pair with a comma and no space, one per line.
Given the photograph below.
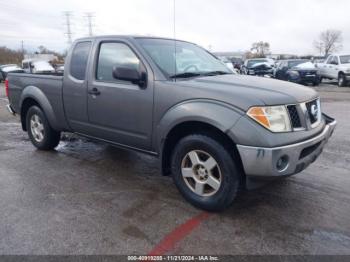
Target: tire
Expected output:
[39,130]
[316,83]
[341,80]
[211,198]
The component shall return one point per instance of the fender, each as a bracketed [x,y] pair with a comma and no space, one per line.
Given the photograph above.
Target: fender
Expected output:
[220,115]
[36,94]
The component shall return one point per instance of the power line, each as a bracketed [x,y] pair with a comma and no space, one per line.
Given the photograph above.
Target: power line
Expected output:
[68,16]
[89,17]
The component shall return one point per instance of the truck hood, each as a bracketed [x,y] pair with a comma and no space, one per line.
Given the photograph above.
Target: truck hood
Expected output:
[245,91]
[345,66]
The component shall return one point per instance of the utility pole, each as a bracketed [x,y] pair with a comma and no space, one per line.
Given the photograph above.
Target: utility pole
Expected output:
[68,27]
[89,17]
[22,47]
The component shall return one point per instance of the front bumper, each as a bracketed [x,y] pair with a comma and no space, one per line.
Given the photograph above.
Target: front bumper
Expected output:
[309,79]
[285,160]
[260,72]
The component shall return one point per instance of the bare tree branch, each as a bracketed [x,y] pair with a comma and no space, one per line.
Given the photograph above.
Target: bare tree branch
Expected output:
[260,49]
[329,41]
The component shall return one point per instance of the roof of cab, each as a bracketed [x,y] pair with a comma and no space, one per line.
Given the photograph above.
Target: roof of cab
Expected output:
[91,38]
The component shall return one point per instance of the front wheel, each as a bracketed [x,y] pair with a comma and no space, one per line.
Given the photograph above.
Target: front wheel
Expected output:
[205,172]
[341,80]
[39,130]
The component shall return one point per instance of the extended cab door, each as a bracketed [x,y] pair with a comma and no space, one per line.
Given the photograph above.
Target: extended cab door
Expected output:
[119,111]
[75,86]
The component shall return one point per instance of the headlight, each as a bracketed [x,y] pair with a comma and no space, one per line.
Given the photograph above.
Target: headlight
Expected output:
[294,73]
[348,70]
[274,118]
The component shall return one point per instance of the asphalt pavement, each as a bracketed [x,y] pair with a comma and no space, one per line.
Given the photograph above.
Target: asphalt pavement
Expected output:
[91,198]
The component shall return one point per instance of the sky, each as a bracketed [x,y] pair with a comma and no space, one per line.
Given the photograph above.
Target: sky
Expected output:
[290,26]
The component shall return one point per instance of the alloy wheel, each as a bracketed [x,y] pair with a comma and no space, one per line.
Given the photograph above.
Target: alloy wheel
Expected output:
[37,128]
[201,173]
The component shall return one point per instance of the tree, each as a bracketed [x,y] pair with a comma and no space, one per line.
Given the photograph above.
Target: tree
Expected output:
[44,50]
[329,41]
[260,49]
[9,56]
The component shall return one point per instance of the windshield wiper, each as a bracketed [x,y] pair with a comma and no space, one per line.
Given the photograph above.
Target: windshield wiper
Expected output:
[185,75]
[214,73]
[194,74]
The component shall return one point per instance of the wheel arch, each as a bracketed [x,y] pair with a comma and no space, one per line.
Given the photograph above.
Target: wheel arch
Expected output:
[341,73]
[32,95]
[197,127]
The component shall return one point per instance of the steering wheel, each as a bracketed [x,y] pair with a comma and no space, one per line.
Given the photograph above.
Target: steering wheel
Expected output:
[187,68]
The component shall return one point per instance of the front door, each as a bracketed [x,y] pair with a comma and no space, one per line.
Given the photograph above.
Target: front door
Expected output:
[119,111]
[328,67]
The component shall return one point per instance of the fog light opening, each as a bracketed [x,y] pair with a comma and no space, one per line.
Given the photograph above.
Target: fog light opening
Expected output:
[282,163]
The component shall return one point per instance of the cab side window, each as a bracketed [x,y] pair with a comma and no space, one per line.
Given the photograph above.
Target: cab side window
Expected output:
[79,60]
[335,60]
[113,55]
[329,60]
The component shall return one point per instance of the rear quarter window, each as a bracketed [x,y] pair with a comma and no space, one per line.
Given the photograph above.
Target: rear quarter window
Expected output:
[79,60]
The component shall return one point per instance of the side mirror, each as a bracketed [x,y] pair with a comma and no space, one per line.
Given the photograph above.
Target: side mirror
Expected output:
[130,74]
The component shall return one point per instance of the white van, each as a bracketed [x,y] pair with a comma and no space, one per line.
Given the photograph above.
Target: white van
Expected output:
[37,66]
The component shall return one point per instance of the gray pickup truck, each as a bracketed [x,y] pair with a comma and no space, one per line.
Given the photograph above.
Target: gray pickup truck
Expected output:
[212,130]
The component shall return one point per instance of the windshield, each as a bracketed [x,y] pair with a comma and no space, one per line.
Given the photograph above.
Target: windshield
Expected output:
[344,59]
[292,64]
[191,59]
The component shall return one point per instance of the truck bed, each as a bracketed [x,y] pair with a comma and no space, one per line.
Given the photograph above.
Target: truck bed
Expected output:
[50,85]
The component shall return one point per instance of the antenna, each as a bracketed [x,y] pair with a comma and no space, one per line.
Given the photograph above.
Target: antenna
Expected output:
[68,32]
[174,21]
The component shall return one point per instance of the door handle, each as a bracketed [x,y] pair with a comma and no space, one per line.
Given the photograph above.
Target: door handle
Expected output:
[94,92]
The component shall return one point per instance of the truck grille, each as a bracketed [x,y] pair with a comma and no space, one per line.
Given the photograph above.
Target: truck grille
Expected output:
[294,116]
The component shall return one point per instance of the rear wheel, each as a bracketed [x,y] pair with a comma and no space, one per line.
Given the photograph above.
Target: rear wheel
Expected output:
[204,172]
[39,130]
[341,80]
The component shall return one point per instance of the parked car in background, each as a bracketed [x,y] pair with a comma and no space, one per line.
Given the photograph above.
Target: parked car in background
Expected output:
[258,66]
[212,129]
[37,66]
[298,71]
[237,63]
[2,78]
[227,62]
[5,69]
[336,67]
[274,70]
[59,68]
